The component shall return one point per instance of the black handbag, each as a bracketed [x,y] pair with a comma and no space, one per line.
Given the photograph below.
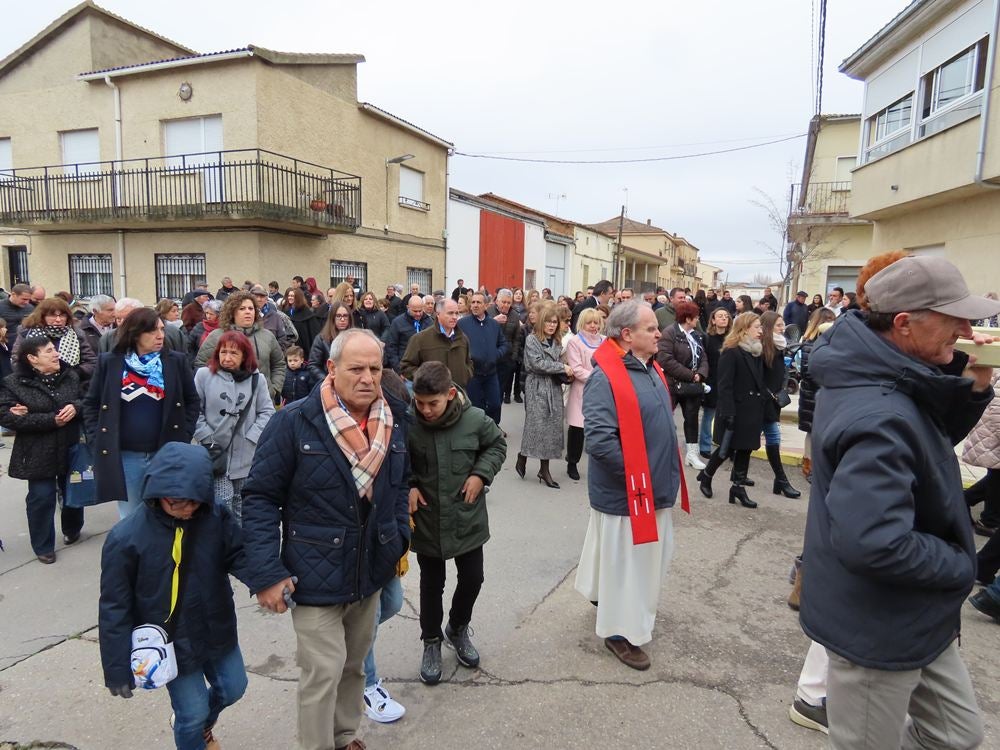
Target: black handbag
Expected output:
[687,389]
[781,398]
[220,454]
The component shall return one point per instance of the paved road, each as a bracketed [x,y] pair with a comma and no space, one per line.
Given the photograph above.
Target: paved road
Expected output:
[726,651]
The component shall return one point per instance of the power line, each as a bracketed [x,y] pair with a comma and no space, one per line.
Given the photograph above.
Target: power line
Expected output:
[629,161]
[634,148]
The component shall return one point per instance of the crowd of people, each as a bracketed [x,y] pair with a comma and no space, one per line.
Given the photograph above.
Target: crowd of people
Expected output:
[308,441]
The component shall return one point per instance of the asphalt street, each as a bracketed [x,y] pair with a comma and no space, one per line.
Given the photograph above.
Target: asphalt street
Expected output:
[726,650]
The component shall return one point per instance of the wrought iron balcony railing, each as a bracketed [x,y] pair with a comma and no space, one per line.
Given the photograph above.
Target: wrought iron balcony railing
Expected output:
[245,186]
[821,199]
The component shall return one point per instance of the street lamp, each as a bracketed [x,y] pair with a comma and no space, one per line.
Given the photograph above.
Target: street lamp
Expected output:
[393,160]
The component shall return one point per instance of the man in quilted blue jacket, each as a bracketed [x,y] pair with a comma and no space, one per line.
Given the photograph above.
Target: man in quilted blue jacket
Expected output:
[326,502]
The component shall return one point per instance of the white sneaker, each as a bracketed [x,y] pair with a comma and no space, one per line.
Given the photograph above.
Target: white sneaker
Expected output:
[379,705]
[693,458]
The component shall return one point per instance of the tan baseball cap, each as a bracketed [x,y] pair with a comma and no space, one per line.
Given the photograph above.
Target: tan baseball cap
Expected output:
[258,290]
[923,282]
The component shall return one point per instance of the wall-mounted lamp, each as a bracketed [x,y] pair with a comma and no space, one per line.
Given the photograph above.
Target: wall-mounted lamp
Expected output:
[894,188]
[399,159]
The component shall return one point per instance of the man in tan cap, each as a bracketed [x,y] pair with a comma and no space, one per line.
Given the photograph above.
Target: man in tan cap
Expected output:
[889,553]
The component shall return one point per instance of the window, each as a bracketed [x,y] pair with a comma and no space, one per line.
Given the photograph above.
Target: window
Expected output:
[178,273]
[195,135]
[844,166]
[90,275]
[80,149]
[411,189]
[340,269]
[6,159]
[950,93]
[422,276]
[530,278]
[889,129]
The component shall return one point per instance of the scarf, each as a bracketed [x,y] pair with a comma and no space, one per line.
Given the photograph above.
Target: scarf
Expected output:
[753,347]
[208,326]
[67,346]
[780,342]
[638,485]
[364,447]
[148,366]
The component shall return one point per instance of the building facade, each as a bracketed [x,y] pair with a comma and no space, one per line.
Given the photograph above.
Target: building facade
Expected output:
[130,164]
[929,147]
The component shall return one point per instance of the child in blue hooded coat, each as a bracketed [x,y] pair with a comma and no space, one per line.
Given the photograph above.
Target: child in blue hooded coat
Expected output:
[139,570]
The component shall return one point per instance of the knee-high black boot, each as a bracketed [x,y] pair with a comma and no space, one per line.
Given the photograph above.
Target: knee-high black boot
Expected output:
[781,484]
[738,492]
[706,474]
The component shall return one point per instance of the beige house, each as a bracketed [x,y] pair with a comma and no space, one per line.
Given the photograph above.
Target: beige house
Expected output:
[828,246]
[710,276]
[130,164]
[652,256]
[929,148]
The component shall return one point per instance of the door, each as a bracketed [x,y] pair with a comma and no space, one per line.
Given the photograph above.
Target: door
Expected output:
[555,268]
[196,144]
[17,260]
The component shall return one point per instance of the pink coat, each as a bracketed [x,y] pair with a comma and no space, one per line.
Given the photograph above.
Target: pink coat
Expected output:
[578,356]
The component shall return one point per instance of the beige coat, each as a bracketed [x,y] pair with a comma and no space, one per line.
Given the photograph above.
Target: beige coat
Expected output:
[982,446]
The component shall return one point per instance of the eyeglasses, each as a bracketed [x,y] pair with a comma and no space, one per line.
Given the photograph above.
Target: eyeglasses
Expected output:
[342,316]
[58,315]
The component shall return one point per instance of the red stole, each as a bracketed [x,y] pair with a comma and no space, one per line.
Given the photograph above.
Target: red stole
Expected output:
[638,484]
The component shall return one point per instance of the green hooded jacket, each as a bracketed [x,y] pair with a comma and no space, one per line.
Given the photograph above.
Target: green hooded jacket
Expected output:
[443,454]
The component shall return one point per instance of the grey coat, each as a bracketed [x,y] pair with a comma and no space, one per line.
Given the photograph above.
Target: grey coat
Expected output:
[543,400]
[270,358]
[221,396]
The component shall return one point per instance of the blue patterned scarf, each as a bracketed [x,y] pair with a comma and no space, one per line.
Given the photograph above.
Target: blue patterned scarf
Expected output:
[149,366]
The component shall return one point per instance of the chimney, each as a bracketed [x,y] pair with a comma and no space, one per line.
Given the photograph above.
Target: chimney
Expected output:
[649,222]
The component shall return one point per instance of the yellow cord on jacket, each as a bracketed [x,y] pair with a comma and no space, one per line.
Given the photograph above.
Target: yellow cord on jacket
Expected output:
[175,583]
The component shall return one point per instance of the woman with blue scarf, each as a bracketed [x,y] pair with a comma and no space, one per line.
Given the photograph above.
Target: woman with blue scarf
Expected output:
[140,398]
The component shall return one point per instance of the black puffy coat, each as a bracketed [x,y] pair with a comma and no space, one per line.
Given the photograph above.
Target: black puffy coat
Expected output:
[713,348]
[375,321]
[102,407]
[673,353]
[137,568]
[41,447]
[807,388]
[741,396]
[303,516]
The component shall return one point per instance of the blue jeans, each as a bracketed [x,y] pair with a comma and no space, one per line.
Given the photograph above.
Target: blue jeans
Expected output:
[484,392]
[390,601]
[197,706]
[772,433]
[134,465]
[41,505]
[705,435]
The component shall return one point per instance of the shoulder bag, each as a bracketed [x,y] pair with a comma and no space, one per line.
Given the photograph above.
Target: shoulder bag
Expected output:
[220,454]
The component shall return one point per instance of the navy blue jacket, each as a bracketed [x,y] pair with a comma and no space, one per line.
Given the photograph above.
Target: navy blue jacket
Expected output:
[102,407]
[298,383]
[796,314]
[889,553]
[606,476]
[487,344]
[137,568]
[400,331]
[303,516]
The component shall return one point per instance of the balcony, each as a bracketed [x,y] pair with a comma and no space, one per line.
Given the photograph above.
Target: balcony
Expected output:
[249,188]
[820,199]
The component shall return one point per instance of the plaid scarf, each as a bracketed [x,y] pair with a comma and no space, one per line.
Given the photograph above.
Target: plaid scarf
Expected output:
[364,450]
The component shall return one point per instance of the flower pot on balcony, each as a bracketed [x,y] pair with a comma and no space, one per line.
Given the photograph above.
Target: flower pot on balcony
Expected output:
[317,204]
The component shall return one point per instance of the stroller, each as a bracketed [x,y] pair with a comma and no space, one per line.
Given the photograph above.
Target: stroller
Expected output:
[794,344]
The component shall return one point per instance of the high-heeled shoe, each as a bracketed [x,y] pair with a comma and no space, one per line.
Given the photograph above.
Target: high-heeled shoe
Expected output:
[783,487]
[738,492]
[781,484]
[572,472]
[545,477]
[521,466]
[705,484]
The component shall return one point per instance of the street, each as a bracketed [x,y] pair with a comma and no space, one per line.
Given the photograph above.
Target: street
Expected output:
[726,651]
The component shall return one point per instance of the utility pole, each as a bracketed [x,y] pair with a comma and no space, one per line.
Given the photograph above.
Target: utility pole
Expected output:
[615,281]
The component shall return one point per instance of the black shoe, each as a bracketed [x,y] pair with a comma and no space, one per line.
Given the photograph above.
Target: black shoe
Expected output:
[47,559]
[458,639]
[982,529]
[547,480]
[705,455]
[705,484]
[738,492]
[985,603]
[781,484]
[783,487]
[809,716]
[69,539]
[518,399]
[430,665]
[572,472]
[521,466]
[506,399]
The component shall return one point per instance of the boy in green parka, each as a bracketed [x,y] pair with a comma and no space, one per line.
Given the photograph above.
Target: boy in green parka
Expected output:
[455,451]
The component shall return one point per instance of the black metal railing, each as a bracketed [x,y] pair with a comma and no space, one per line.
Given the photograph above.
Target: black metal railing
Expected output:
[238,184]
[820,199]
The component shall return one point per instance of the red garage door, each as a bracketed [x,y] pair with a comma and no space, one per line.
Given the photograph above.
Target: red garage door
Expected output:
[501,251]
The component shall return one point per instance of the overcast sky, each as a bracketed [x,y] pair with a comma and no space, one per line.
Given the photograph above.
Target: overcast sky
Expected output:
[572,80]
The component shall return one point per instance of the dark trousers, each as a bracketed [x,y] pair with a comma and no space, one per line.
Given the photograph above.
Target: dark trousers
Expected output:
[432,577]
[519,376]
[505,372]
[574,444]
[689,408]
[986,491]
[741,465]
[988,560]
[484,392]
[41,506]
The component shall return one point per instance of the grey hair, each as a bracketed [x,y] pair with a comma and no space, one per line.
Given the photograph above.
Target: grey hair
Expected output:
[127,303]
[398,288]
[440,304]
[338,344]
[98,301]
[503,293]
[214,305]
[623,315]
